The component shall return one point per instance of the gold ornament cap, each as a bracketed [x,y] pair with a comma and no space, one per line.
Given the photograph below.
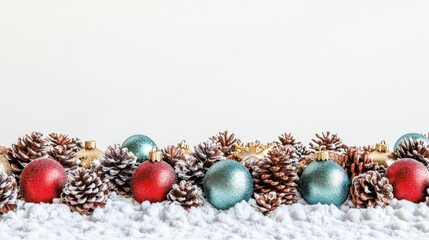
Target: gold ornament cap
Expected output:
[90,145]
[155,155]
[322,154]
[382,146]
[183,145]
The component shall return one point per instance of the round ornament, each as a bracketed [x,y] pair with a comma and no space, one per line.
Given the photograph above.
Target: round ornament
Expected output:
[5,166]
[153,179]
[139,145]
[90,155]
[227,183]
[413,136]
[324,181]
[381,154]
[409,179]
[42,180]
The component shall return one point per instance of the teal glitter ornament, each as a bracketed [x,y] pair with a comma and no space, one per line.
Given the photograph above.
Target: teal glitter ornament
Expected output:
[227,183]
[413,136]
[139,145]
[324,181]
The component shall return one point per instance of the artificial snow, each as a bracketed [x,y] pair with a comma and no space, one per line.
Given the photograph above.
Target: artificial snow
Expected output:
[123,218]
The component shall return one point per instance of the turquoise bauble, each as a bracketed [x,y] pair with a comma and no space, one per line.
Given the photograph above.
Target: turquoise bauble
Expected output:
[413,136]
[325,182]
[227,183]
[139,145]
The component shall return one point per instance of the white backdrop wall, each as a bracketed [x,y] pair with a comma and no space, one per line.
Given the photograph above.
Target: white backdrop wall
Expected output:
[187,69]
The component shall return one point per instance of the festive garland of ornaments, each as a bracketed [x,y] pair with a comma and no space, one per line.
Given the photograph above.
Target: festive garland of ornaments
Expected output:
[222,171]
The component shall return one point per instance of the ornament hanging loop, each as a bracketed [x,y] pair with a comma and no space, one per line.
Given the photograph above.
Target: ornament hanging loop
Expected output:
[322,154]
[155,155]
[382,146]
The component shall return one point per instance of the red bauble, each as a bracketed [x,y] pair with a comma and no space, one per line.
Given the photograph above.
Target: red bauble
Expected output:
[152,181]
[409,179]
[42,180]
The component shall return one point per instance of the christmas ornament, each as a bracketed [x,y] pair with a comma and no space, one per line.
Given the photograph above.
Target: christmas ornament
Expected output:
[357,161]
[186,194]
[118,166]
[85,191]
[409,179]
[413,149]
[324,181]
[3,150]
[42,180]
[227,183]
[227,142]
[153,179]
[63,149]
[139,145]
[414,136]
[370,189]
[90,155]
[5,166]
[252,152]
[8,193]
[28,148]
[331,142]
[381,154]
[277,173]
[267,202]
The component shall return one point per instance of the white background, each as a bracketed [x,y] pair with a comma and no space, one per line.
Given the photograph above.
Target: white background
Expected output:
[175,70]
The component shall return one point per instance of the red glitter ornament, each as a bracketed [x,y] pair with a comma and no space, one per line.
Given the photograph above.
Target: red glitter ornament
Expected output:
[409,179]
[42,180]
[153,179]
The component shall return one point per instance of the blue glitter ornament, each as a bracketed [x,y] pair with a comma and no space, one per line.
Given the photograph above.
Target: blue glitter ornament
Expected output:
[139,145]
[227,183]
[413,136]
[324,181]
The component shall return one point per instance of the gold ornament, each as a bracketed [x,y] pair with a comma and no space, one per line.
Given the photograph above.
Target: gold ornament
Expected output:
[90,155]
[252,152]
[381,154]
[3,150]
[184,146]
[155,155]
[5,166]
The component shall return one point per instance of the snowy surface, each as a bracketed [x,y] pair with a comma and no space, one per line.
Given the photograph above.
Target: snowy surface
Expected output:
[124,218]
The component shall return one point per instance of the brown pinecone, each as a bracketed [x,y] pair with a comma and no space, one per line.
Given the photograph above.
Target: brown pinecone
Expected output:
[410,148]
[370,189]
[27,149]
[63,149]
[8,193]
[267,202]
[227,142]
[287,139]
[331,141]
[118,166]
[357,161]
[277,172]
[191,170]
[85,191]
[173,154]
[186,194]
[209,153]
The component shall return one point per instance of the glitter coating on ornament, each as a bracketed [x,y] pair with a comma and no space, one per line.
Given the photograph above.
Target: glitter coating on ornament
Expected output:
[139,145]
[413,136]
[325,182]
[227,183]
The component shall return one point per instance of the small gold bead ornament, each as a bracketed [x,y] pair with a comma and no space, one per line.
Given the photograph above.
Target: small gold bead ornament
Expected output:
[382,155]
[155,155]
[90,155]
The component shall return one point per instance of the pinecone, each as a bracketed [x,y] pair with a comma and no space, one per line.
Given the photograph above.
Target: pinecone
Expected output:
[370,189]
[85,191]
[209,153]
[28,148]
[173,154]
[267,202]
[227,142]
[302,150]
[118,166]
[331,142]
[288,139]
[63,149]
[357,161]
[191,170]
[410,148]
[8,193]
[278,173]
[186,194]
